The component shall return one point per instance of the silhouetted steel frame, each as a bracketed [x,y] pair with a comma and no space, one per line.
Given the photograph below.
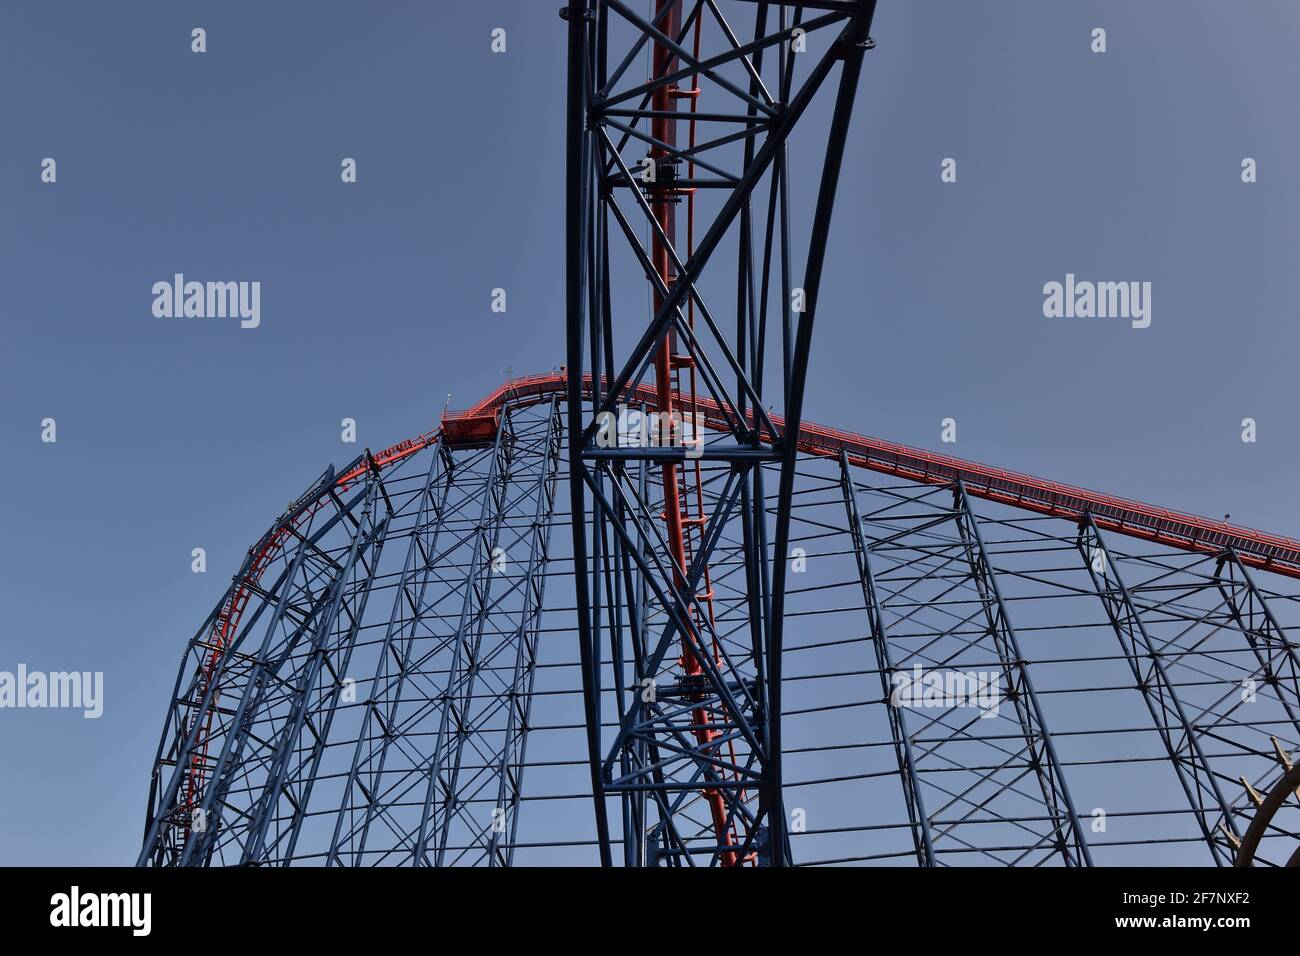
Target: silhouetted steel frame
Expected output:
[310,643]
[1278,658]
[1071,842]
[188,718]
[1247,606]
[511,768]
[589,201]
[462,674]
[1197,777]
[365,545]
[922,837]
[440,772]
[236,739]
[324,614]
[624,564]
[433,500]
[164,832]
[918,540]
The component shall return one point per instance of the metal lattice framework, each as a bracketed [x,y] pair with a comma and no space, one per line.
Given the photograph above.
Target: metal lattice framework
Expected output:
[392,678]
[754,640]
[711,732]
[401,716]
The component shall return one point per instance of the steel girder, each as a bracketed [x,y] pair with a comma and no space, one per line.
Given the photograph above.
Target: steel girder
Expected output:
[710,731]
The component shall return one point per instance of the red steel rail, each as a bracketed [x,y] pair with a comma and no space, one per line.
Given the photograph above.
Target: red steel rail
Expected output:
[663,198]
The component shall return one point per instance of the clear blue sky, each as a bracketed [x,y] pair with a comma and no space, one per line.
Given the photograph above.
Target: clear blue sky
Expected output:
[375,296]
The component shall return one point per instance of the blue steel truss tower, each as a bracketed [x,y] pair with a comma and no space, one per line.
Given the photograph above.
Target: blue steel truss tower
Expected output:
[706,135]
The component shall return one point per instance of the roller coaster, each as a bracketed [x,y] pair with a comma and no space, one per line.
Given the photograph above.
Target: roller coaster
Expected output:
[545,633]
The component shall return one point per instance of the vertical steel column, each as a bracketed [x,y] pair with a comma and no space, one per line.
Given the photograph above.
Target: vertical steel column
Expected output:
[663,196]
[578,208]
[850,47]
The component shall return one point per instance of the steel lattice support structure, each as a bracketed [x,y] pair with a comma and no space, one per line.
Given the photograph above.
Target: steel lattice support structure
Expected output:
[1167,622]
[457,647]
[770,641]
[925,569]
[393,677]
[710,730]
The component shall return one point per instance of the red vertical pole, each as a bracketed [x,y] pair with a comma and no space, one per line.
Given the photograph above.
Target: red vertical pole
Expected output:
[663,195]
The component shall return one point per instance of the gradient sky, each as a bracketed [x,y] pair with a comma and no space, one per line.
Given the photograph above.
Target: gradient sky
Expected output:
[179,434]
